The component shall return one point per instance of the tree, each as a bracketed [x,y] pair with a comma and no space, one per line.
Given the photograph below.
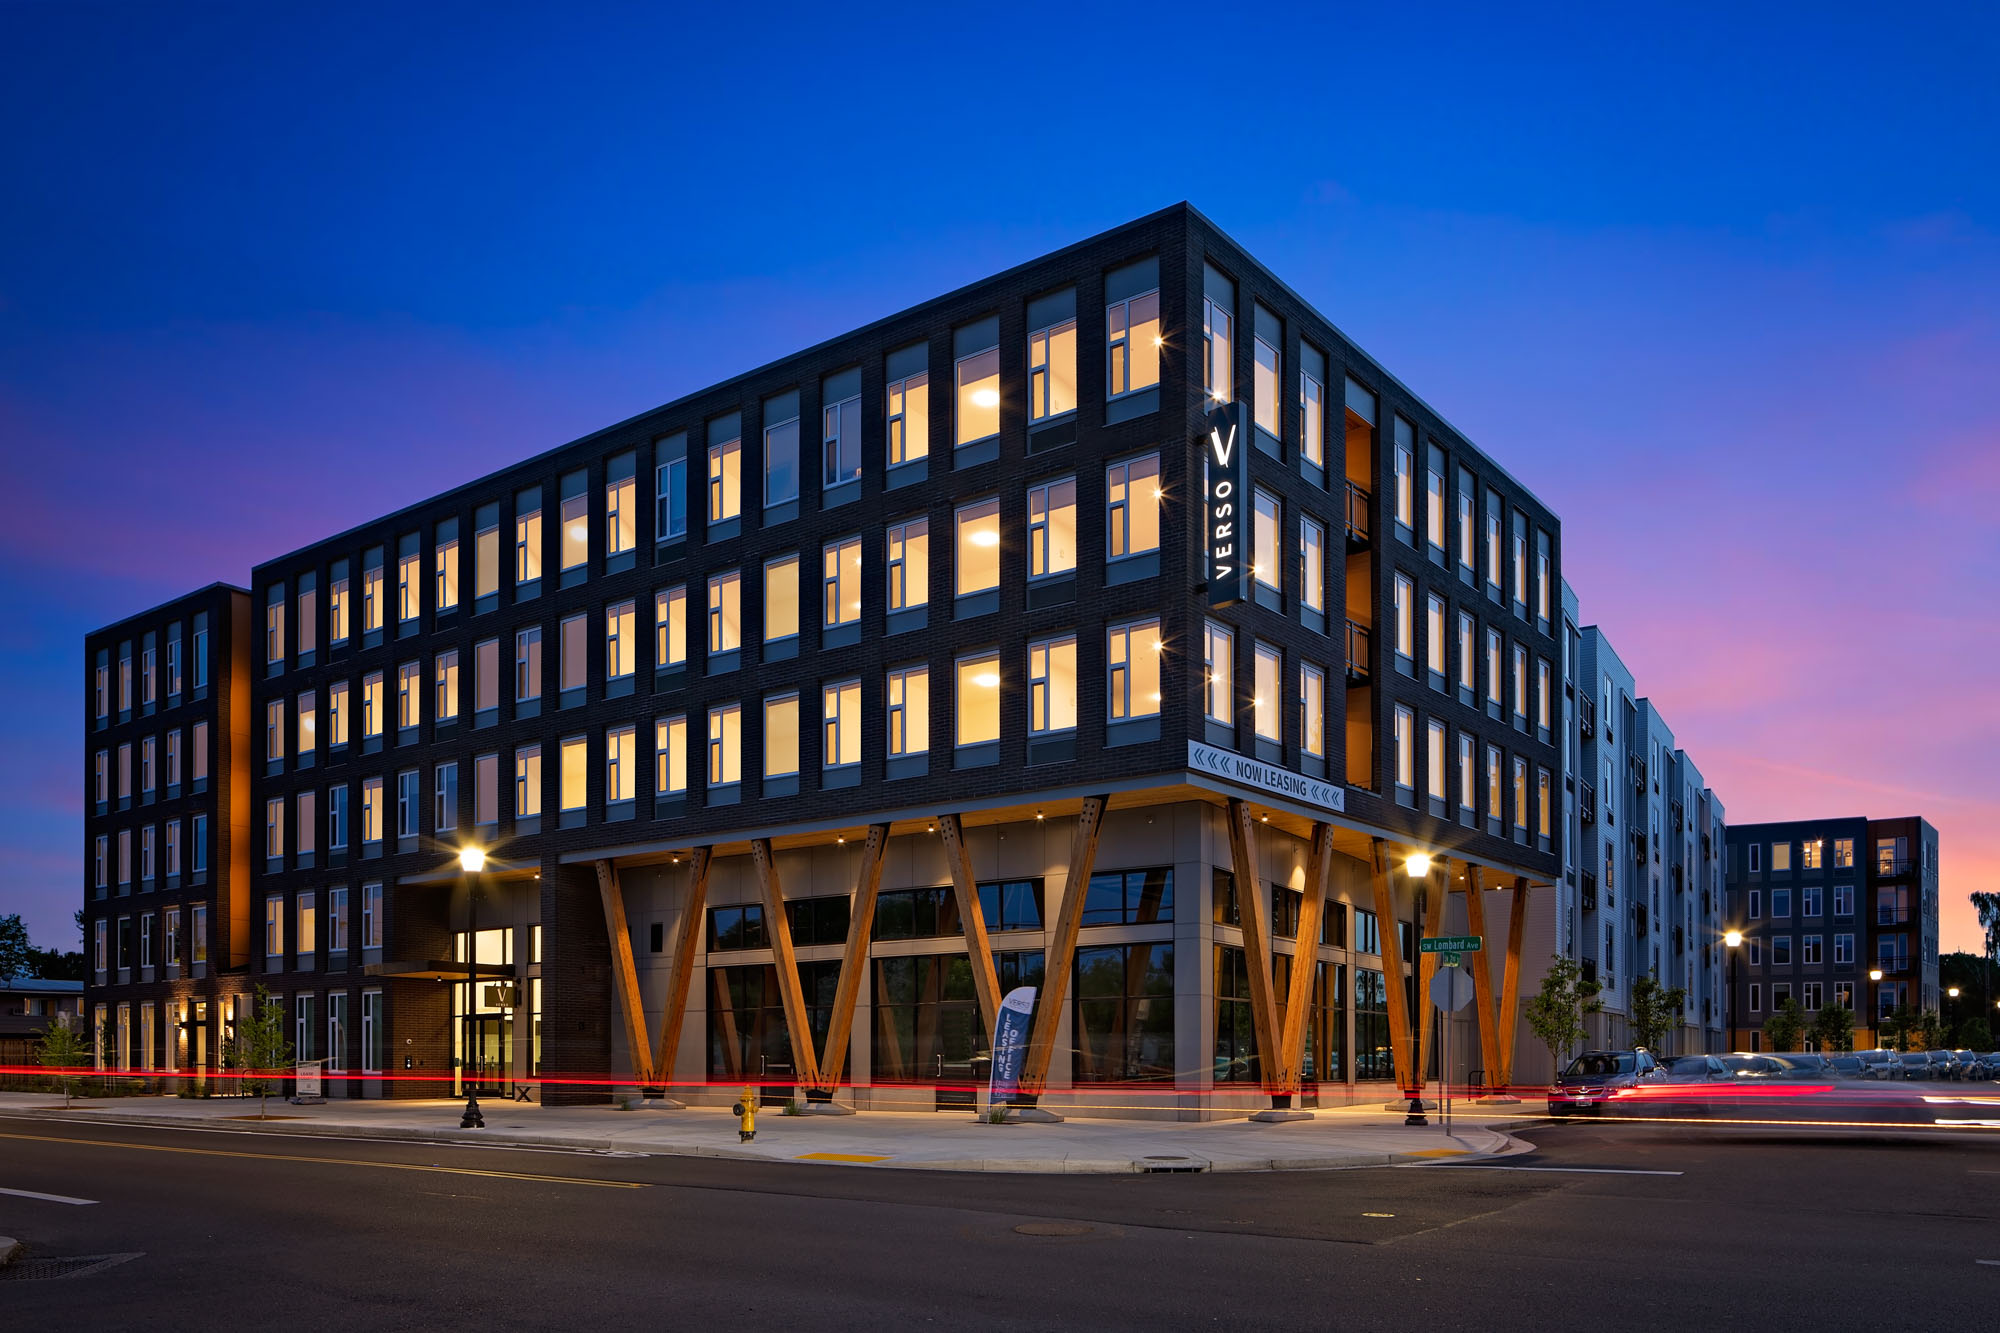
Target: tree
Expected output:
[1784,1029]
[1988,907]
[1833,1028]
[64,1049]
[261,1047]
[1655,1012]
[1975,1034]
[15,950]
[1898,1026]
[1556,1014]
[1929,1030]
[55,965]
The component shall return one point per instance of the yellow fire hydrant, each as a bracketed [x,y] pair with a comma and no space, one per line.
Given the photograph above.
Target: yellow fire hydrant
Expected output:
[745,1111]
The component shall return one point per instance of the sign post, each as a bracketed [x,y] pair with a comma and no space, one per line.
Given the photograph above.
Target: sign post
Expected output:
[1448,944]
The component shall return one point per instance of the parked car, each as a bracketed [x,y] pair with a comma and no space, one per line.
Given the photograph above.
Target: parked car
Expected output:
[1879,1064]
[1799,1064]
[1846,1065]
[1744,1064]
[1915,1066]
[1595,1077]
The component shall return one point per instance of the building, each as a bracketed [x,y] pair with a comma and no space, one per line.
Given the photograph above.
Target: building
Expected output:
[27,1006]
[1087,657]
[1823,905]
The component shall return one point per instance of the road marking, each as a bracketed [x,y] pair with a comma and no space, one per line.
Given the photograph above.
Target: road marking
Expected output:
[46,1198]
[335,1161]
[1990,1263]
[837,1157]
[1568,1170]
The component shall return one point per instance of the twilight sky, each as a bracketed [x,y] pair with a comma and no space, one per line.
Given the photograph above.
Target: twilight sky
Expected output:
[1723,288]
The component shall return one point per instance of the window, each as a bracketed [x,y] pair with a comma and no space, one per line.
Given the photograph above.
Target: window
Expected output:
[274,925]
[575,516]
[1781,951]
[1843,950]
[725,745]
[1265,704]
[1467,655]
[1756,996]
[670,627]
[407,803]
[444,813]
[409,586]
[725,613]
[1406,500]
[781,599]
[1542,593]
[409,694]
[1755,851]
[528,663]
[1312,710]
[621,507]
[101,692]
[1264,381]
[1052,528]
[1052,685]
[1468,779]
[1218,372]
[840,582]
[1843,853]
[1434,637]
[1809,951]
[978,550]
[1129,897]
[574,775]
[1132,344]
[1542,693]
[371,916]
[1843,900]
[528,536]
[1133,661]
[725,481]
[274,626]
[336,818]
[371,704]
[1132,504]
[840,451]
[1542,812]
[978,711]
[446,555]
[1781,904]
[670,480]
[1267,522]
[1781,857]
[1493,804]
[571,652]
[1493,672]
[148,748]
[1312,413]
[781,736]
[1406,748]
[1493,541]
[307,741]
[371,810]
[1810,858]
[670,777]
[1520,683]
[1756,903]
[909,695]
[486,789]
[445,670]
[1520,567]
[174,840]
[978,395]
[528,782]
[909,564]
[1520,795]
[909,419]
[485,554]
[1052,371]
[1434,774]
[1312,561]
[1218,651]
[781,460]
[841,710]
[1406,631]
[1434,503]
[372,609]
[621,764]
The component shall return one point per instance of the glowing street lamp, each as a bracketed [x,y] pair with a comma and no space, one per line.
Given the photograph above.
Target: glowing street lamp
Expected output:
[1419,865]
[1733,942]
[471,862]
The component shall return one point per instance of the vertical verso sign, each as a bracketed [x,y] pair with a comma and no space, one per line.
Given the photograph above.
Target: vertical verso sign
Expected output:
[1226,491]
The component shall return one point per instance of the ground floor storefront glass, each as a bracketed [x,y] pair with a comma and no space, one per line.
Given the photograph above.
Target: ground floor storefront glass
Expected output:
[1124,1015]
[927,1025]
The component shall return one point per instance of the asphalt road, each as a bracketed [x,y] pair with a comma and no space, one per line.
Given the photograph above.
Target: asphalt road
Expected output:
[1736,1229]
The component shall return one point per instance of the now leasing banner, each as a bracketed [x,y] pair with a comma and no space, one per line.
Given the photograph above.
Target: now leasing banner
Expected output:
[1265,777]
[1010,1045]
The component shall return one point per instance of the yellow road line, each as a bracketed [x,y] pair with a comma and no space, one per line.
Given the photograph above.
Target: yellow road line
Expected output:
[334,1161]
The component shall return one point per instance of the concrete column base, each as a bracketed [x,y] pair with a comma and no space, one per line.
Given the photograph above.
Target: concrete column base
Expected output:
[1277,1117]
[662,1104]
[828,1108]
[1036,1115]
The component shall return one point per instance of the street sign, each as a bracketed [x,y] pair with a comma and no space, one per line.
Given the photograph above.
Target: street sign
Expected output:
[1451,989]
[1449,944]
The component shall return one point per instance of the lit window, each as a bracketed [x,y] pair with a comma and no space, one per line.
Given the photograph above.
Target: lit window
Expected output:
[621,764]
[274,626]
[1264,381]
[1218,374]
[1542,577]
[528,536]
[781,462]
[1520,795]
[1052,371]
[978,557]
[1266,703]
[725,612]
[978,395]
[670,775]
[909,696]
[1406,500]
[528,782]
[909,419]
[621,640]
[1466,540]
[1312,558]
[528,663]
[841,582]
[1406,634]
[1434,636]
[575,772]
[1133,662]
[909,564]
[978,712]
[486,554]
[1218,651]
[274,829]
[447,570]
[1052,685]
[571,652]
[781,599]
[1542,808]
[1406,748]
[409,586]
[336,721]
[371,595]
[1434,502]
[409,694]
[371,810]
[670,481]
[1052,528]
[1132,344]
[1312,416]
[1520,682]
[1267,523]
[1434,775]
[446,674]
[1468,776]
[621,509]
[1132,503]
[670,627]
[725,480]
[1493,669]
[371,704]
[725,745]
[781,736]
[1542,694]
[1520,567]
[1467,654]
[575,522]
[1493,539]
[841,451]
[486,789]
[1312,710]
[841,710]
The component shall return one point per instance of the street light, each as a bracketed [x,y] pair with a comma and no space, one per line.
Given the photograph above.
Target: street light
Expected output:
[1418,867]
[471,861]
[1875,1002]
[1732,941]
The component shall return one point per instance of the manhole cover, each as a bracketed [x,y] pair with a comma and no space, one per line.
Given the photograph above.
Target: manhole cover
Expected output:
[42,1270]
[1053,1229]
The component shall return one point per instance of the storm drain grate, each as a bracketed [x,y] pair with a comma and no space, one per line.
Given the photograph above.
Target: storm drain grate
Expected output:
[45,1270]
[1171,1166]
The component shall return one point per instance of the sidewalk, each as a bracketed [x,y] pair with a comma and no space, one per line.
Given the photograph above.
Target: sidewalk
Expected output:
[936,1142]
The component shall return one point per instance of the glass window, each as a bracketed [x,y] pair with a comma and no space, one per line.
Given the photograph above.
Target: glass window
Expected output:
[1312,559]
[528,536]
[840,582]
[978,395]
[486,789]
[1406,634]
[485,557]
[1133,663]
[781,599]
[841,710]
[274,626]
[409,586]
[909,419]
[444,817]
[409,800]
[781,462]
[1406,500]
[1052,685]
[1267,702]
[725,480]
[371,810]
[1129,897]
[1434,774]
[575,775]
[1312,710]
[1124,1016]
[1132,501]
[1434,502]
[372,704]
[978,554]
[1264,381]
[336,720]
[621,509]
[1218,650]
[1434,636]
[1493,540]
[670,775]
[409,694]
[1132,344]
[841,451]
[781,735]
[1267,523]
[1312,416]
[528,663]
[670,627]
[1520,795]
[725,612]
[909,696]
[725,745]
[621,764]
[621,640]
[1052,528]
[1218,374]
[1520,682]
[1493,668]
[1052,371]
[445,671]
[573,653]
[909,564]
[978,711]
[670,480]
[1468,780]
[1542,694]
[528,781]
[1406,748]
[1467,655]
[372,609]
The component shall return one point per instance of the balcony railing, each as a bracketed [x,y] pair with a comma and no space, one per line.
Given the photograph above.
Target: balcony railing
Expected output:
[1891,865]
[1892,916]
[1358,501]
[1358,643]
[1893,966]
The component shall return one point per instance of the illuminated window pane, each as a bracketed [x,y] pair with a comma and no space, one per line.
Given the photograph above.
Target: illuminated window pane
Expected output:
[978,551]
[1219,662]
[841,582]
[1264,382]
[725,745]
[1052,371]
[621,640]
[1266,702]
[575,531]
[725,481]
[670,627]
[1312,557]
[1269,522]
[781,736]
[1434,635]
[1133,660]
[572,652]
[575,774]
[1406,748]
[909,419]
[621,510]
[978,712]
[1132,503]
[909,696]
[909,564]
[528,781]
[1312,416]
[670,755]
[781,599]
[1052,528]
[528,537]
[725,612]
[409,586]
[1312,710]
[1052,685]
[1218,366]
[621,764]
[1434,774]
[1132,344]
[979,395]
[841,711]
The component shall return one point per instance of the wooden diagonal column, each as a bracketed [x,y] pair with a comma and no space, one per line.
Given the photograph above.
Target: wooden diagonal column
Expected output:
[1253,914]
[1060,957]
[680,981]
[798,1024]
[854,962]
[1392,967]
[1482,974]
[1510,985]
[985,979]
[1305,962]
[1427,964]
[624,972]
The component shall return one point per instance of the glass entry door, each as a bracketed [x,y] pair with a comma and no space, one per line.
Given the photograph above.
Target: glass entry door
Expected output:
[489,1055]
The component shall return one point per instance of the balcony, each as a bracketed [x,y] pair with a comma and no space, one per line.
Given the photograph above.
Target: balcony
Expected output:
[1358,643]
[1586,802]
[1888,867]
[1680,817]
[1586,715]
[1894,966]
[1639,846]
[1589,891]
[1358,502]
[1892,916]
[1638,772]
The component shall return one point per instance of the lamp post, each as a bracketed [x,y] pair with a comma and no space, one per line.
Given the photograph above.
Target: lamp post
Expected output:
[1950,1012]
[1418,867]
[1732,941]
[471,861]
[1875,1002]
